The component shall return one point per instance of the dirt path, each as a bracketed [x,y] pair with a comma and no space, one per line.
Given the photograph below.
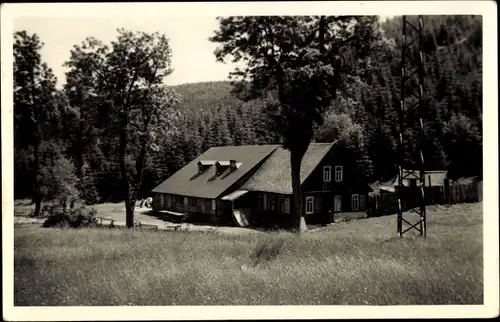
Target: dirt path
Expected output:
[27,220]
[116,212]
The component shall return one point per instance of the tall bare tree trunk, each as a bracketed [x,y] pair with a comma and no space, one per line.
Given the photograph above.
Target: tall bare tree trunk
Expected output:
[129,212]
[129,203]
[299,223]
[79,152]
[37,197]
[139,166]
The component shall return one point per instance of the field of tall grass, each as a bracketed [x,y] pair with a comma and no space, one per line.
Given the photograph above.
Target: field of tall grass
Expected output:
[360,262]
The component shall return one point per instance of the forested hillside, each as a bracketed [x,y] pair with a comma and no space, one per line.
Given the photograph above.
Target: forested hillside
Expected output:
[208,114]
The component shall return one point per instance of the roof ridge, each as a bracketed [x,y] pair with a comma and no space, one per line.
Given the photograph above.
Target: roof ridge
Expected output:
[271,144]
[242,146]
[429,171]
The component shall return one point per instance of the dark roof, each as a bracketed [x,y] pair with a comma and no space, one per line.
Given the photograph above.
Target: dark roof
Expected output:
[187,181]
[275,174]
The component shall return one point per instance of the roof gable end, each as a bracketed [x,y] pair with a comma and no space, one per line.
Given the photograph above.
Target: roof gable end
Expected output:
[275,174]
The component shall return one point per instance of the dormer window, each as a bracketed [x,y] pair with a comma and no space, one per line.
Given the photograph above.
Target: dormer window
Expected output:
[221,166]
[204,164]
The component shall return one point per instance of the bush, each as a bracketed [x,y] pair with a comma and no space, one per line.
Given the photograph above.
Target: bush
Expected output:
[73,218]
[59,182]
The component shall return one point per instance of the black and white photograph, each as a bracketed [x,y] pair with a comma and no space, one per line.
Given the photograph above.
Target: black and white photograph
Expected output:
[221,160]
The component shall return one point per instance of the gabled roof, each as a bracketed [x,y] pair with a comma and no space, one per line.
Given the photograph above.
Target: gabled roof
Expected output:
[188,182]
[223,163]
[207,162]
[275,174]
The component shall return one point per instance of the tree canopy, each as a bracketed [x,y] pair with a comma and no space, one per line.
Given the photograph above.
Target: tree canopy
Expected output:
[112,89]
[297,63]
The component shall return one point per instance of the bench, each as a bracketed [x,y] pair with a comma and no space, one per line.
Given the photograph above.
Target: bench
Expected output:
[112,221]
[141,225]
[169,226]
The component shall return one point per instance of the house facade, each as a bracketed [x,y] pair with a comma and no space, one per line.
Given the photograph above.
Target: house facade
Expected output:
[329,181]
[253,184]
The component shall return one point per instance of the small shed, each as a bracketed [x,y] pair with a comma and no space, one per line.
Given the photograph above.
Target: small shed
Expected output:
[433,178]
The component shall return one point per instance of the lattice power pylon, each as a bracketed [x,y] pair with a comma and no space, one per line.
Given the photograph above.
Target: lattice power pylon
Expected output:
[412,101]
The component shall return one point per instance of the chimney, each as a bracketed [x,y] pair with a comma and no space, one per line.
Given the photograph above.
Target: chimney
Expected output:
[232,165]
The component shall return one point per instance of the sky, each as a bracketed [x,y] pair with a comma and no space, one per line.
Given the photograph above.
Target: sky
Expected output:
[188,25]
[193,56]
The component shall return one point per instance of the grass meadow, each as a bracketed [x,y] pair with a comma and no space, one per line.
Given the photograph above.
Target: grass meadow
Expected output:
[360,262]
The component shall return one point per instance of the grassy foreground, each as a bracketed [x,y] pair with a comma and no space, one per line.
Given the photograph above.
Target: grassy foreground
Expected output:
[355,263]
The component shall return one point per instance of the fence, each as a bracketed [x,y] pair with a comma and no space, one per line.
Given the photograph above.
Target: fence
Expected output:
[460,193]
[387,203]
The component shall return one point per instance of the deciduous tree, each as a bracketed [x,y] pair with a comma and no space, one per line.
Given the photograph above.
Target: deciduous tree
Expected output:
[297,63]
[127,79]
[35,106]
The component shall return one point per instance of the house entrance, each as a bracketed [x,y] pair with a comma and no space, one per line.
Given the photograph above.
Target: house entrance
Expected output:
[337,203]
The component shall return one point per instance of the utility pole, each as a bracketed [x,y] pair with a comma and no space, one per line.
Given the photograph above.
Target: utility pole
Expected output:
[412,98]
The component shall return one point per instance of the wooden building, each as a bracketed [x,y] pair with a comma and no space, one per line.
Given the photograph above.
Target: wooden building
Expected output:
[384,198]
[239,184]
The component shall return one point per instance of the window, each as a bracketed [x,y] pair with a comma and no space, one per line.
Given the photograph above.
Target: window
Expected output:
[309,205]
[338,173]
[287,205]
[317,204]
[192,202]
[185,201]
[355,202]
[169,201]
[281,204]
[162,200]
[213,205]
[337,203]
[262,201]
[327,173]
[272,204]
[362,201]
